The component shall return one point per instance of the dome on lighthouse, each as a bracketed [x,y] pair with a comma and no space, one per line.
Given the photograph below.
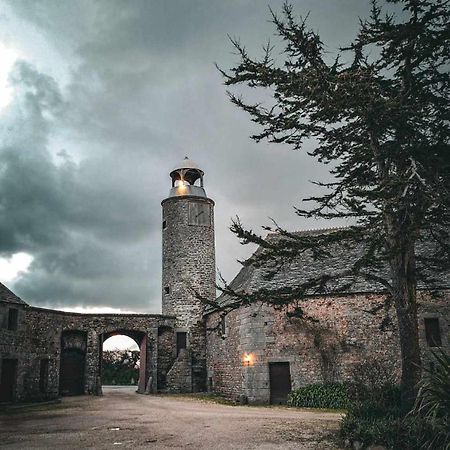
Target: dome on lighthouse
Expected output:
[186,164]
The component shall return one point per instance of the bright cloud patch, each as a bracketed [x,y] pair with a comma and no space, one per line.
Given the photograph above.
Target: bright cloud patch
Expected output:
[120,343]
[96,310]
[10,268]
[8,57]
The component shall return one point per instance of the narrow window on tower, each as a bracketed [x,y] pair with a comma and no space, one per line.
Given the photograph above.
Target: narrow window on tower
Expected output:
[181,341]
[167,290]
[164,224]
[223,327]
[432,332]
[13,316]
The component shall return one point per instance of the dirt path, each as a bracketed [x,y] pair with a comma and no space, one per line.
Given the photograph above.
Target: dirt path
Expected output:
[124,419]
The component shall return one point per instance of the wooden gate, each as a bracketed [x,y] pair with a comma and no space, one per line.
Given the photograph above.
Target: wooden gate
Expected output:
[71,372]
[8,380]
[280,382]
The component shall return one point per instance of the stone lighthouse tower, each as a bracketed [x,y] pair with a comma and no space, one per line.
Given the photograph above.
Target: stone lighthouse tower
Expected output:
[188,263]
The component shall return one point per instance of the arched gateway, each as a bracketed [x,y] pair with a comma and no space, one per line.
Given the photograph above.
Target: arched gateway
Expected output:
[81,348]
[141,340]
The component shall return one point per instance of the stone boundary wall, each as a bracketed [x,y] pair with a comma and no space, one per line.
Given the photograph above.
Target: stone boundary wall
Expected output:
[38,337]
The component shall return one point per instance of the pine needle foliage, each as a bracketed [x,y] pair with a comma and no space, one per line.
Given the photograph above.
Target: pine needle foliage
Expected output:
[381,121]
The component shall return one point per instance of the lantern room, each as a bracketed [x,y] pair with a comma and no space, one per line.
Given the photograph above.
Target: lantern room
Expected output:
[187,179]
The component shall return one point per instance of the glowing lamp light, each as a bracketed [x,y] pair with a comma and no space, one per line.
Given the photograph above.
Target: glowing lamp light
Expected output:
[248,359]
[181,185]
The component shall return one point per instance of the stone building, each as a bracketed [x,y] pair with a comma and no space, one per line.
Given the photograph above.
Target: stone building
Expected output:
[255,353]
[46,353]
[258,353]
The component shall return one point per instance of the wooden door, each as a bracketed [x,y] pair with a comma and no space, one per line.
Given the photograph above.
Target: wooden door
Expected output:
[43,376]
[280,382]
[8,380]
[71,372]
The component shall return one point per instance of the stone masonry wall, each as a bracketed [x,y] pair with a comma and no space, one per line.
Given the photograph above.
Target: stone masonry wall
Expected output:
[223,355]
[28,347]
[188,267]
[166,354]
[179,377]
[39,334]
[347,334]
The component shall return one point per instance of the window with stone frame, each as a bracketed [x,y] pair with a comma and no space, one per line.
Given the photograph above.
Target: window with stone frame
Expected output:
[199,214]
[13,319]
[223,326]
[432,332]
[181,341]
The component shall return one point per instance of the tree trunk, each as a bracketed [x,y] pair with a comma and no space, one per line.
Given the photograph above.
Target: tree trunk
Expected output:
[410,353]
[403,269]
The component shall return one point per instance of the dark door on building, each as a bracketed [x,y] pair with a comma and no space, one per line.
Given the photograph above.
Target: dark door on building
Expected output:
[8,380]
[280,382]
[43,376]
[71,372]
[181,341]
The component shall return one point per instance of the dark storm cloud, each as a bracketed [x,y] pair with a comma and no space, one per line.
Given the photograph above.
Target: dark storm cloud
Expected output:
[142,93]
[85,230]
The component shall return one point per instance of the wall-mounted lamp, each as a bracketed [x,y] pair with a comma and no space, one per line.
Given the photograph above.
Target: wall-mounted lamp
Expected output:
[248,359]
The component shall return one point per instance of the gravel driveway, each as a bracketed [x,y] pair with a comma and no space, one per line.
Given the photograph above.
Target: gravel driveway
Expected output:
[124,419]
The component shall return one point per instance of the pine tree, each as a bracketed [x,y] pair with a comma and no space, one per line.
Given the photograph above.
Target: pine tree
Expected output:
[382,122]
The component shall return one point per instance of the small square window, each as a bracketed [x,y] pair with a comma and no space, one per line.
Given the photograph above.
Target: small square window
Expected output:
[13,316]
[167,290]
[433,332]
[199,214]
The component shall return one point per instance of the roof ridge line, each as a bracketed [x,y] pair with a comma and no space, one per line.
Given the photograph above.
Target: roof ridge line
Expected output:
[312,230]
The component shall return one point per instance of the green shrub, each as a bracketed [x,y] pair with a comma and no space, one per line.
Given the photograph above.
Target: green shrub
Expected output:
[376,417]
[372,374]
[432,408]
[372,422]
[120,367]
[328,395]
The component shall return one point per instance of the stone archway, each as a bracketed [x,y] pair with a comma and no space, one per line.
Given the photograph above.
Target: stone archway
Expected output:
[141,338]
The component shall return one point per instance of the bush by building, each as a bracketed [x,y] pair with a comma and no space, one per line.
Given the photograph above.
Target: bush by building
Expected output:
[381,419]
[326,395]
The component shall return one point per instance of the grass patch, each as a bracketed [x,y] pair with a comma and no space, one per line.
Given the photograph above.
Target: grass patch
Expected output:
[202,397]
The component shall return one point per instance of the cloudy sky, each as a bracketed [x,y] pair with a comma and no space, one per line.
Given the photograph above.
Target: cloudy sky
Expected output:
[98,100]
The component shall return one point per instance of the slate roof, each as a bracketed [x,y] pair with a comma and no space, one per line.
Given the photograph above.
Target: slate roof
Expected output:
[8,296]
[305,267]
